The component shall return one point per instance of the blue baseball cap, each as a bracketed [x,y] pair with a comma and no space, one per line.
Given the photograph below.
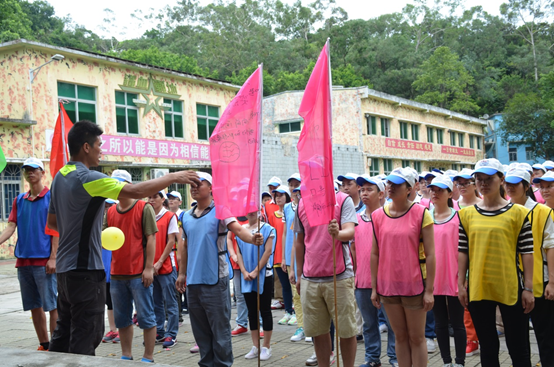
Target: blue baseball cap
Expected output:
[348,176]
[548,176]
[374,181]
[516,175]
[488,166]
[400,175]
[442,181]
[34,163]
[464,173]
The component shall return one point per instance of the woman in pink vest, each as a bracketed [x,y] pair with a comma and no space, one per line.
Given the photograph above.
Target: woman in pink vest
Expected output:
[396,276]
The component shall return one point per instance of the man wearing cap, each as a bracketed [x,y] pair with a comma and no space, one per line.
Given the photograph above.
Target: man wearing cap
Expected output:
[175,199]
[132,270]
[35,250]
[350,188]
[204,272]
[80,324]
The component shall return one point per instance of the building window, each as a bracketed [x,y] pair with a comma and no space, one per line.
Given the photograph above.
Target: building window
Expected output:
[10,187]
[173,119]
[403,130]
[385,127]
[439,136]
[453,138]
[206,120]
[374,168]
[289,127]
[462,166]
[387,166]
[461,139]
[126,113]
[471,142]
[454,166]
[529,154]
[417,166]
[405,164]
[512,154]
[415,132]
[429,134]
[82,101]
[478,138]
[371,125]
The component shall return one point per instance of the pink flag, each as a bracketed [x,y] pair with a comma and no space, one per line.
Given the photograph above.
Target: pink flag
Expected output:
[315,146]
[235,152]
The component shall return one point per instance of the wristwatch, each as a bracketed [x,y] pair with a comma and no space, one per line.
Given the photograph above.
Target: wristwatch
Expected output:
[528,289]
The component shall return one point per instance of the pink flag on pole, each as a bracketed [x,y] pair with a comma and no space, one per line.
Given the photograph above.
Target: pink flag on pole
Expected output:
[235,152]
[315,146]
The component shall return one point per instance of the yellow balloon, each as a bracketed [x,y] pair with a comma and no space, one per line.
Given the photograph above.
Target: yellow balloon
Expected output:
[112,238]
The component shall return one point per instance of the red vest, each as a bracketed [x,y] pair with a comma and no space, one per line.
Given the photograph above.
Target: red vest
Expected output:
[161,242]
[129,259]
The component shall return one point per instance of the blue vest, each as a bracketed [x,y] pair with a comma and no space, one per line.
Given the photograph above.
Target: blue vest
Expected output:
[32,242]
[250,259]
[289,220]
[203,255]
[107,260]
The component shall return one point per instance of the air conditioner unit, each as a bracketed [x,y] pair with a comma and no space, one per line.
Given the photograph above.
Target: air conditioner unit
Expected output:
[158,172]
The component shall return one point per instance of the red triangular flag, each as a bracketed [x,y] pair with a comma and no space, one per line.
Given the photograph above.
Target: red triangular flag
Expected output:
[59,156]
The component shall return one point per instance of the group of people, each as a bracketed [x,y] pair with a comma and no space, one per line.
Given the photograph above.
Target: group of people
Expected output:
[416,254]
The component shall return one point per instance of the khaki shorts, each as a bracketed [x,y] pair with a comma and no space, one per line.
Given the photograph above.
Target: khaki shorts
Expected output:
[411,303]
[318,306]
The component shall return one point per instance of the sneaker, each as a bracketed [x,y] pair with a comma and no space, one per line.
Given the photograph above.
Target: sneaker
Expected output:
[159,339]
[265,354]
[277,305]
[169,342]
[292,320]
[285,319]
[298,335]
[359,338]
[252,354]
[125,358]
[261,334]
[42,349]
[332,359]
[383,328]
[194,349]
[472,348]
[431,348]
[308,339]
[371,364]
[116,339]
[135,319]
[457,365]
[447,365]
[110,336]
[146,360]
[239,330]
[394,364]
[312,361]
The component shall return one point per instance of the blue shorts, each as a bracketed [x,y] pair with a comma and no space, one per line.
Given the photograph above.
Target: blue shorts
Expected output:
[38,289]
[124,292]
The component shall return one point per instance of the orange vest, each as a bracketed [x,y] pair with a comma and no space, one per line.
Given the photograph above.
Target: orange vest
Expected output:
[130,258]
[161,242]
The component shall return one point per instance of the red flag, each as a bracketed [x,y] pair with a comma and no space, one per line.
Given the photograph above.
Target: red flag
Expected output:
[315,146]
[59,156]
[235,152]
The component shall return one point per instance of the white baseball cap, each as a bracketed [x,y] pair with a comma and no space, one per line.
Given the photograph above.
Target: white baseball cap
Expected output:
[111,201]
[548,176]
[33,162]
[176,194]
[372,180]
[442,181]
[401,175]
[348,176]
[451,173]
[274,181]
[464,173]
[122,175]
[539,166]
[162,192]
[338,182]
[515,175]
[548,164]
[203,176]
[524,166]
[295,176]
[432,174]
[488,166]
[283,190]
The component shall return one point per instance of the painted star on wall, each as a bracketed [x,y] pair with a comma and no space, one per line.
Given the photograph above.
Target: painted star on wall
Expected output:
[153,91]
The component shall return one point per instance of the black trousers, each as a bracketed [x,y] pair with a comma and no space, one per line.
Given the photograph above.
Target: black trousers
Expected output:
[448,308]
[543,324]
[265,306]
[81,302]
[516,329]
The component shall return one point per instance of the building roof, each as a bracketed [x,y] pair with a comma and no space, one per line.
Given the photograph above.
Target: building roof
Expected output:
[69,51]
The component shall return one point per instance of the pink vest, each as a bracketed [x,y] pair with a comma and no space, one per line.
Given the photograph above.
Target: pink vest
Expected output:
[363,239]
[318,258]
[446,253]
[425,202]
[456,205]
[539,197]
[398,239]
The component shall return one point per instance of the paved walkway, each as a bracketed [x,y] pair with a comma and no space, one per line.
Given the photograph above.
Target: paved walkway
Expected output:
[18,333]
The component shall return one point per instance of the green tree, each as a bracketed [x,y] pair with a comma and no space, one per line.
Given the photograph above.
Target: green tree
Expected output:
[444,82]
[14,23]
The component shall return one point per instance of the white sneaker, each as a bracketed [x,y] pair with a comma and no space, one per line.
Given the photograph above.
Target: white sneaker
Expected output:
[431,348]
[285,319]
[277,305]
[447,365]
[252,354]
[298,335]
[265,354]
[292,321]
[383,328]
[308,339]
[332,359]
[312,361]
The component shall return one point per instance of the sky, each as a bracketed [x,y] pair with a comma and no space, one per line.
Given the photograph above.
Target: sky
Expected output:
[92,16]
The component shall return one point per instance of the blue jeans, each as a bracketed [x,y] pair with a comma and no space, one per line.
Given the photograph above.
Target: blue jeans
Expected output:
[165,300]
[372,336]
[242,310]
[287,291]
[38,289]
[430,326]
[123,293]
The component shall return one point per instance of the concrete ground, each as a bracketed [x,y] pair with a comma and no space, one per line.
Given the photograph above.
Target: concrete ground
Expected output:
[18,342]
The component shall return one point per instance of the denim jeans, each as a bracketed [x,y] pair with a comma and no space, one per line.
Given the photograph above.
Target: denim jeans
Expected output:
[38,289]
[165,299]
[242,310]
[372,336]
[124,293]
[430,326]
[287,291]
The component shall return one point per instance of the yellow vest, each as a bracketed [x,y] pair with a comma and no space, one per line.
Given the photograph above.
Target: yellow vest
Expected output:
[492,245]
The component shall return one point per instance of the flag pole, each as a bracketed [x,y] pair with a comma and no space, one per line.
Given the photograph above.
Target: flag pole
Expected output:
[260,141]
[337,344]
